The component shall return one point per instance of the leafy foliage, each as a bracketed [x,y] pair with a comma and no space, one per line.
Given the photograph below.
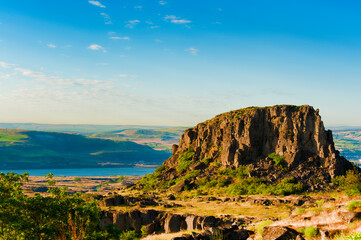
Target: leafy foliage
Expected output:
[238,173]
[350,183]
[59,216]
[185,160]
[251,186]
[352,205]
[279,161]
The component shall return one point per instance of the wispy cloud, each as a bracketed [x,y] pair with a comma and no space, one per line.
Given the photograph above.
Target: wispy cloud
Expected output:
[96,47]
[51,45]
[192,51]
[138,7]
[126,76]
[120,38]
[162,2]
[97,3]
[132,23]
[106,18]
[176,20]
[6,65]
[4,75]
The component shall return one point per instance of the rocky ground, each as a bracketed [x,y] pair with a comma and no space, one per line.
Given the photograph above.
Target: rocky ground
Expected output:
[90,185]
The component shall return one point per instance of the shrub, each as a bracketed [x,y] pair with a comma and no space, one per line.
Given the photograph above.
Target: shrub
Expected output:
[279,161]
[191,174]
[300,211]
[185,160]
[161,168]
[350,183]
[121,178]
[261,225]
[207,161]
[310,231]
[251,186]
[77,179]
[353,205]
[217,235]
[129,235]
[355,236]
[239,172]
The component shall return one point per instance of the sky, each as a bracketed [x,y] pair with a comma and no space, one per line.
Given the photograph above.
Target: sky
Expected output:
[176,62]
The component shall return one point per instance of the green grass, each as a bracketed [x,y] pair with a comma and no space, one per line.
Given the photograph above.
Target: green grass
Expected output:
[279,161]
[352,205]
[185,160]
[11,135]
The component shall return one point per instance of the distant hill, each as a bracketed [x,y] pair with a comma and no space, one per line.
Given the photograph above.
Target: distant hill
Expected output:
[158,139]
[74,128]
[348,142]
[35,149]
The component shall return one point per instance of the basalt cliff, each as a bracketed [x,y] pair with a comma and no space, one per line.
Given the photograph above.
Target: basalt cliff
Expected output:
[271,143]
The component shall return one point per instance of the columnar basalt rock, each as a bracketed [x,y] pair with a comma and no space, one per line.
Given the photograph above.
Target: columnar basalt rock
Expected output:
[247,136]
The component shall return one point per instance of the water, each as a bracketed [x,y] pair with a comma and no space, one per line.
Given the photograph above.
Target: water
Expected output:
[86,172]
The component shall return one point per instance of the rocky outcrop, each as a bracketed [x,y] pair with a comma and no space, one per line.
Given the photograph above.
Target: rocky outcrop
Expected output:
[152,221]
[249,137]
[280,233]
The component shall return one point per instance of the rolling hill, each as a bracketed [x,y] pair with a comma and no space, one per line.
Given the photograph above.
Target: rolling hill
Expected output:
[20,149]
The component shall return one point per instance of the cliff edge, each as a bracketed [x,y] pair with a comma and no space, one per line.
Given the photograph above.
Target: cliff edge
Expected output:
[271,143]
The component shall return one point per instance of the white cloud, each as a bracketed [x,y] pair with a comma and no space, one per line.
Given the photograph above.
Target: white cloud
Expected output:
[4,75]
[96,47]
[192,51]
[138,7]
[120,38]
[176,20]
[126,76]
[106,18]
[6,65]
[132,23]
[96,3]
[51,45]
[162,2]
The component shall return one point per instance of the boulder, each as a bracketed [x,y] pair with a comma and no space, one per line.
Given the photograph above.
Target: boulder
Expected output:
[174,223]
[279,233]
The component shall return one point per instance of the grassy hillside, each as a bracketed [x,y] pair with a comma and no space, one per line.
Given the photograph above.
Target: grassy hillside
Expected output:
[349,143]
[34,149]
[159,139]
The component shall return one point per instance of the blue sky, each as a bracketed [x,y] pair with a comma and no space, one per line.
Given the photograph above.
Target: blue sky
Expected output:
[176,62]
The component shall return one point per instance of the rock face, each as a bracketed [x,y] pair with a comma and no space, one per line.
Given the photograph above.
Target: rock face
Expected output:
[247,137]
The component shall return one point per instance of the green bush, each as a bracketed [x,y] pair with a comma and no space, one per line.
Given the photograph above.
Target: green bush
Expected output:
[279,161]
[310,231]
[77,179]
[161,168]
[185,160]
[261,225]
[350,183]
[239,172]
[355,236]
[252,186]
[130,235]
[120,179]
[300,211]
[352,205]
[207,161]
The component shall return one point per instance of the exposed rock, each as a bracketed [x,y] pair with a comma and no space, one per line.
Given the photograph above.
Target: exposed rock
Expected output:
[174,223]
[248,136]
[279,233]
[349,216]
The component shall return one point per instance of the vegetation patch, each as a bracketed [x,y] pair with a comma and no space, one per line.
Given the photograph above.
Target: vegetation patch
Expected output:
[350,183]
[185,160]
[279,161]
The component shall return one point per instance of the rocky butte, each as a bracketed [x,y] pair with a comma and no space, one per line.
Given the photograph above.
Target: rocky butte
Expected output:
[268,143]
